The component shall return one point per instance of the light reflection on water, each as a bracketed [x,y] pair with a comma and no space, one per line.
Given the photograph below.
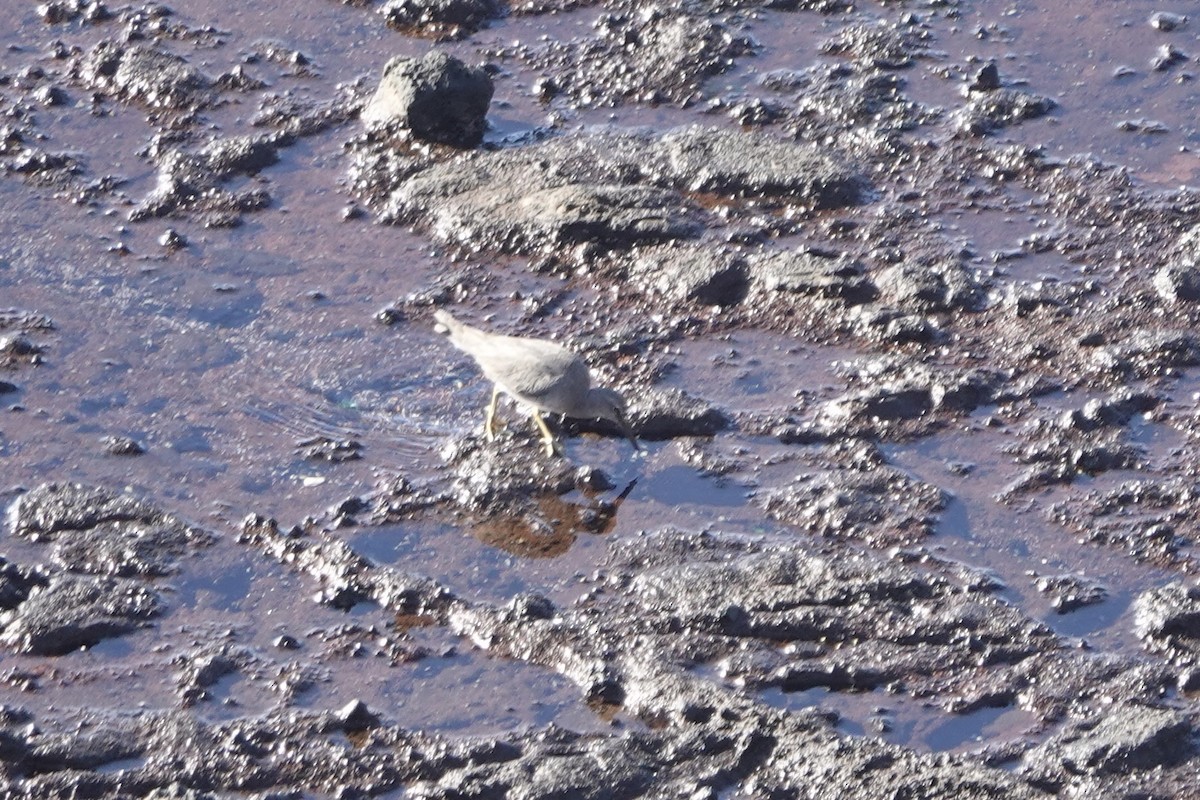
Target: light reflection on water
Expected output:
[221,384]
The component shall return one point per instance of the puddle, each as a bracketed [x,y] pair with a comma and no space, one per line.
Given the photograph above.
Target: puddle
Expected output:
[231,362]
[472,560]
[229,698]
[120,765]
[107,650]
[225,581]
[914,723]
[1094,621]
[1103,38]
[1001,241]
[1017,541]
[470,693]
[1093,101]
[966,731]
[681,486]
[755,371]
[222,356]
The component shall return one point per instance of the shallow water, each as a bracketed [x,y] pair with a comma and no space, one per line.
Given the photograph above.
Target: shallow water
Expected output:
[222,356]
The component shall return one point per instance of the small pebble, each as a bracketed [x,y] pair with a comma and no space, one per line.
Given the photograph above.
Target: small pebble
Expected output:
[18,346]
[356,716]
[172,239]
[986,80]
[389,315]
[122,446]
[1166,21]
[50,96]
[1166,57]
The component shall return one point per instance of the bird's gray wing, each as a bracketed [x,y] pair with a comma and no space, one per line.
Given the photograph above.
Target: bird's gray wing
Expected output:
[532,368]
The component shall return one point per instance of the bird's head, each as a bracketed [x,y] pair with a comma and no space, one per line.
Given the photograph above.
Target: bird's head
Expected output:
[609,404]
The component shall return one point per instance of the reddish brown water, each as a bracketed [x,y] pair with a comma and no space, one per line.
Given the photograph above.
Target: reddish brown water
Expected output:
[220,358]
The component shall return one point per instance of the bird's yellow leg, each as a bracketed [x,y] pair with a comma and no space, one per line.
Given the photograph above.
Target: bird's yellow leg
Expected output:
[552,446]
[489,420]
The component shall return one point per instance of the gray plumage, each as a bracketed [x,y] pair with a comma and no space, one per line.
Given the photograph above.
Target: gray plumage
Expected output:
[540,374]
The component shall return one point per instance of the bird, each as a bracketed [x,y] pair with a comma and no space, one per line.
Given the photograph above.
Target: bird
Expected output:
[541,375]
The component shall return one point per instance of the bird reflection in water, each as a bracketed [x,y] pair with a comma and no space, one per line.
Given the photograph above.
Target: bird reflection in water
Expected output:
[550,526]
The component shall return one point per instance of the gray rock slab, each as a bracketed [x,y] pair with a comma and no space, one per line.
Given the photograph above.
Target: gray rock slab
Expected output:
[75,611]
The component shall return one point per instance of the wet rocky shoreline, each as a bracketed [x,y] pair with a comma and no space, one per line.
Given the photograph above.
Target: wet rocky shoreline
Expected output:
[918,395]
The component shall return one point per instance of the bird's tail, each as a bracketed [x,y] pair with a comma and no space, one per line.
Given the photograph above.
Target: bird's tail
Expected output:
[446,324]
[461,335]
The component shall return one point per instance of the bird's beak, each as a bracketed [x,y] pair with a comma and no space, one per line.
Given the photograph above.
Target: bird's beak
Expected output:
[628,431]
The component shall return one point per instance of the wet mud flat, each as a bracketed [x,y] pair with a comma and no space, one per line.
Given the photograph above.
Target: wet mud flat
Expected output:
[903,297]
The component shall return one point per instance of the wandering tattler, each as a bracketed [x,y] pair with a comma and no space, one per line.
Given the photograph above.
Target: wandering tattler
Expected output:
[541,375]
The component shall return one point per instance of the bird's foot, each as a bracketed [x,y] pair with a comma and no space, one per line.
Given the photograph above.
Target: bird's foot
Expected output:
[490,431]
